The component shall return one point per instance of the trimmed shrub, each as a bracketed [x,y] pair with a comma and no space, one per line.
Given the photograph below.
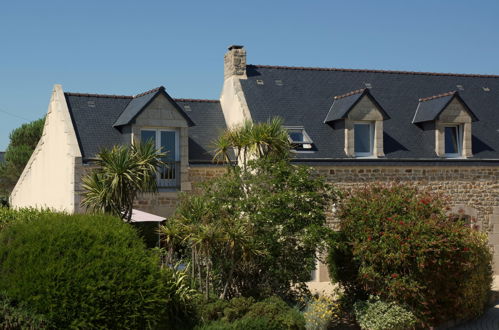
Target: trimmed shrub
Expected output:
[397,242]
[10,216]
[84,271]
[375,314]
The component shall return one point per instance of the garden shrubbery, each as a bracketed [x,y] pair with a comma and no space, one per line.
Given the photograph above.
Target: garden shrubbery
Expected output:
[375,314]
[85,271]
[246,313]
[398,243]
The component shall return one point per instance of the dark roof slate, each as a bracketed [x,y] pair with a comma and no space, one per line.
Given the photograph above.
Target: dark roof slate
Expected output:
[211,123]
[93,118]
[304,96]
[94,115]
[429,108]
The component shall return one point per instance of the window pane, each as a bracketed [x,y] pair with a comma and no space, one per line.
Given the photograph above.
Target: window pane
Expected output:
[362,138]
[168,145]
[451,140]
[146,136]
[296,136]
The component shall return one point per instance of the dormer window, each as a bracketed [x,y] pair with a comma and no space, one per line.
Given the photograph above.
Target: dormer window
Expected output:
[451,118]
[363,138]
[299,139]
[453,139]
[361,117]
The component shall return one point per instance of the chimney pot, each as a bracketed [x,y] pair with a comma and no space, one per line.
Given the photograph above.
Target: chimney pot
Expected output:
[231,47]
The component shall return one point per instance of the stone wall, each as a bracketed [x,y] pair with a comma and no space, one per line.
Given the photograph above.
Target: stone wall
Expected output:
[472,189]
[163,203]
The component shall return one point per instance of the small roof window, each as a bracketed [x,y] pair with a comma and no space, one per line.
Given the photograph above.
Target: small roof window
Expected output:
[278,82]
[259,82]
[299,139]
[187,107]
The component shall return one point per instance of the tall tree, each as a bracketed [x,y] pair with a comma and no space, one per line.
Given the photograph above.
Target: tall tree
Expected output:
[122,173]
[23,141]
[255,231]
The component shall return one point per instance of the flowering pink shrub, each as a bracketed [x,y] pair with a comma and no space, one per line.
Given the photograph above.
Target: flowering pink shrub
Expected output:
[398,243]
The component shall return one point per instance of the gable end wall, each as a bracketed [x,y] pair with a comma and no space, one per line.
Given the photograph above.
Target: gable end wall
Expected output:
[48,180]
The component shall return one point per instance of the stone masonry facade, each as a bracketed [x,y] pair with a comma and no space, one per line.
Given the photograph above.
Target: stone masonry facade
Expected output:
[473,190]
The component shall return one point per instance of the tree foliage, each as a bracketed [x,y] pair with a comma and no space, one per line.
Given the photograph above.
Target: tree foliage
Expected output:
[121,174]
[398,243]
[23,141]
[254,231]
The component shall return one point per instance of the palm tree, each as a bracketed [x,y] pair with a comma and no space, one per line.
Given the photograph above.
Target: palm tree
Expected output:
[123,172]
[251,140]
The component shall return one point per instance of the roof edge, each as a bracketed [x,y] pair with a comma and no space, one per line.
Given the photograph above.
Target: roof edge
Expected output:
[374,71]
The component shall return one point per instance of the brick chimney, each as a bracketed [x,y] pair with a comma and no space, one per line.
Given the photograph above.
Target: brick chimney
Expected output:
[235,62]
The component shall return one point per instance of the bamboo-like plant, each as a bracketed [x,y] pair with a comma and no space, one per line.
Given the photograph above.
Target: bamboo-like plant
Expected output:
[122,173]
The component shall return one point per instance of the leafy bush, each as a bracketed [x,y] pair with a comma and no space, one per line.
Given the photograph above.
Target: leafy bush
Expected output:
[84,272]
[245,313]
[375,314]
[322,312]
[397,242]
[253,233]
[14,316]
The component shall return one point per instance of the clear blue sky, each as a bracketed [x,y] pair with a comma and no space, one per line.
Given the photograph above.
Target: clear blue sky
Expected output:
[126,47]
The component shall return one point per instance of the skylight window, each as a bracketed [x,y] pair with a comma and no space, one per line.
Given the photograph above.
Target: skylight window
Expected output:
[91,104]
[368,85]
[278,82]
[187,107]
[486,89]
[259,82]
[460,87]
[299,139]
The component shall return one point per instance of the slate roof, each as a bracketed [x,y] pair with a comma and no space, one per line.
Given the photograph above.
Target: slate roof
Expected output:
[304,96]
[429,108]
[94,115]
[344,103]
[210,123]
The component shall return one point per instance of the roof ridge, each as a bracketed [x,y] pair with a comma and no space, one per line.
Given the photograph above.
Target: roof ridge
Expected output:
[112,96]
[357,91]
[196,100]
[154,90]
[376,71]
[424,99]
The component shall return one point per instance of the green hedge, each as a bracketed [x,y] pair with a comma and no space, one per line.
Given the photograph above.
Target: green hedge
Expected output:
[397,242]
[81,271]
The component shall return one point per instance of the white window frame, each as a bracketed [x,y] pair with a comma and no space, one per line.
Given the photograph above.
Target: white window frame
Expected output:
[307,141]
[371,139]
[459,130]
[158,138]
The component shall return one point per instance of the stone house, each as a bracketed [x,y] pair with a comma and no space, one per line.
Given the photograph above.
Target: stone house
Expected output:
[355,127]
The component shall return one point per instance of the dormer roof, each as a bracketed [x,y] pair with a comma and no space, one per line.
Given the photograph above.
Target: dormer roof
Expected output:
[429,108]
[141,101]
[342,105]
